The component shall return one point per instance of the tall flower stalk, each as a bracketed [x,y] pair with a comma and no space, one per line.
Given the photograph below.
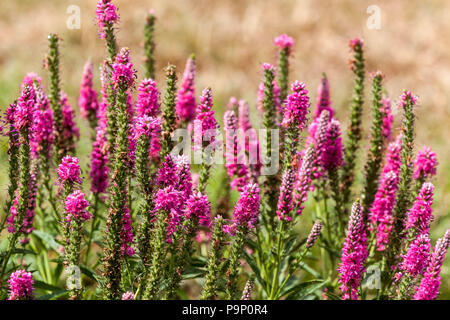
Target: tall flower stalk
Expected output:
[123,79]
[403,200]
[355,131]
[186,103]
[375,155]
[168,111]
[106,18]
[285,44]
[149,44]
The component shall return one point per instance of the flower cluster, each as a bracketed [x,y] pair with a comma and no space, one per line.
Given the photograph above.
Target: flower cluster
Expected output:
[246,211]
[421,213]
[21,285]
[76,205]
[123,75]
[147,99]
[69,170]
[415,261]
[284,41]
[88,100]
[106,15]
[354,255]
[186,103]
[425,163]
[296,107]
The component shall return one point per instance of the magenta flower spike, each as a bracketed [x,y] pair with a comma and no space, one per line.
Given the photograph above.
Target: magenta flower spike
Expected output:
[106,14]
[24,111]
[76,207]
[284,41]
[21,285]
[186,102]
[388,118]
[333,156]
[354,255]
[420,215]
[285,199]
[246,211]
[127,236]
[304,179]
[88,99]
[431,282]
[382,208]
[69,170]
[147,99]
[199,206]
[415,260]
[123,74]
[206,120]
[234,154]
[99,162]
[71,132]
[42,137]
[296,106]
[323,101]
[425,164]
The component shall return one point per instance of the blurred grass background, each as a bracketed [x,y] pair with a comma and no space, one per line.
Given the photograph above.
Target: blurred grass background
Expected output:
[232,38]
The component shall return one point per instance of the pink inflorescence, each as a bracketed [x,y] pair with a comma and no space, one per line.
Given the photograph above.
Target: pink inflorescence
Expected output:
[323,101]
[285,199]
[205,120]
[69,170]
[146,125]
[20,285]
[354,255]
[355,42]
[333,155]
[99,162]
[246,211]
[405,97]
[421,213]
[198,206]
[23,114]
[304,179]
[382,207]
[393,156]
[128,295]
[106,15]
[321,144]
[126,235]
[42,125]
[415,260]
[425,164]
[123,73]
[70,127]
[431,282]
[30,79]
[284,41]
[88,100]
[249,139]
[186,102]
[296,107]
[147,99]
[234,154]
[387,117]
[76,205]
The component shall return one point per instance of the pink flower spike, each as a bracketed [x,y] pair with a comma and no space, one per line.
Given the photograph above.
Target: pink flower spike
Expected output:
[354,255]
[323,101]
[76,205]
[355,42]
[186,102]
[296,106]
[284,41]
[421,213]
[147,98]
[106,16]
[388,118]
[425,164]
[21,285]
[431,282]
[69,170]
[415,261]
[88,100]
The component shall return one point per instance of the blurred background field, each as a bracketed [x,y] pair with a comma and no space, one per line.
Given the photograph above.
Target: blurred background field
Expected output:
[231,38]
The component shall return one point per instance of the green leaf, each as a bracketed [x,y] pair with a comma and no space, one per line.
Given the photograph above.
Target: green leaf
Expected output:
[88,272]
[47,239]
[306,267]
[304,289]
[45,286]
[53,295]
[251,262]
[192,273]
